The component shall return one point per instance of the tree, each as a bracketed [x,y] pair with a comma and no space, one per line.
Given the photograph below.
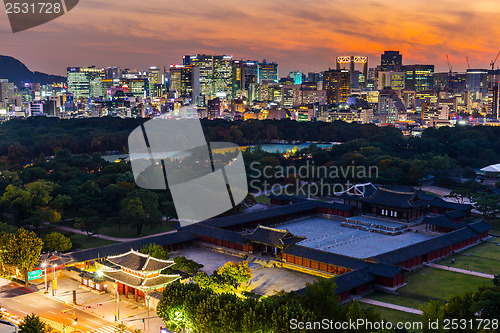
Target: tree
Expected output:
[239,272]
[19,201]
[155,251]
[187,266]
[33,324]
[23,250]
[432,312]
[488,305]
[320,297]
[140,209]
[120,328]
[55,241]
[61,202]
[496,280]
[488,205]
[87,220]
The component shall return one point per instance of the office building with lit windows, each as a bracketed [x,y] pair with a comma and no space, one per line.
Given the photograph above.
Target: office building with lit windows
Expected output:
[206,65]
[223,75]
[477,81]
[393,80]
[185,81]
[391,61]
[85,82]
[267,70]
[156,81]
[419,77]
[337,84]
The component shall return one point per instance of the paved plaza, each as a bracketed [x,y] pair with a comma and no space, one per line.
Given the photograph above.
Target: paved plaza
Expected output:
[328,235]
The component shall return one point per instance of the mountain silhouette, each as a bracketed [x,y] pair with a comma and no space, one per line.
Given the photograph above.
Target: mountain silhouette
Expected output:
[17,73]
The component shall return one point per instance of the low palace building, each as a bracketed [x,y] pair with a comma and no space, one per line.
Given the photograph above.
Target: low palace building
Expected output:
[137,273]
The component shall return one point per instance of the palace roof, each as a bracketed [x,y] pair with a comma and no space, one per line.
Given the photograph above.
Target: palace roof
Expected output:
[137,261]
[274,237]
[142,283]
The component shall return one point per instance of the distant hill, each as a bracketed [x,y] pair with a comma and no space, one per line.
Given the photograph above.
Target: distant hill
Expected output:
[16,72]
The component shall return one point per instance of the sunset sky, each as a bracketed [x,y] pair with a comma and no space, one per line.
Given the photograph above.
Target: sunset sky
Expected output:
[299,35]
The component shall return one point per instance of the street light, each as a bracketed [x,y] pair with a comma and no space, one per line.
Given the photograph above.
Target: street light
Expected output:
[147,305]
[53,289]
[44,265]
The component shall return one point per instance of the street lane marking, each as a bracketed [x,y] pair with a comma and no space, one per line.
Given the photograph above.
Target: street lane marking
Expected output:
[52,312]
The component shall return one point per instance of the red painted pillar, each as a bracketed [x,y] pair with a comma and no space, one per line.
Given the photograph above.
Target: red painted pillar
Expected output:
[135,294]
[126,291]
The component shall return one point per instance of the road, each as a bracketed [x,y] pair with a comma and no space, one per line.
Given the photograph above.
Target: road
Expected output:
[21,301]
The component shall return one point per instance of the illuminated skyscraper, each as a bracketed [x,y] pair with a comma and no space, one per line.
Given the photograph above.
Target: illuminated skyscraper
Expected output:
[185,80]
[419,77]
[85,82]
[205,64]
[6,90]
[477,81]
[156,80]
[223,75]
[267,70]
[391,61]
[394,80]
[337,84]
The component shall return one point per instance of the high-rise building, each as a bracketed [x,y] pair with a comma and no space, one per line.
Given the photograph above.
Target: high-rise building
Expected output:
[389,106]
[358,78]
[6,90]
[185,80]
[419,77]
[393,80]
[223,75]
[337,84]
[85,82]
[493,101]
[296,76]
[205,64]
[391,61]
[156,81]
[477,81]
[267,70]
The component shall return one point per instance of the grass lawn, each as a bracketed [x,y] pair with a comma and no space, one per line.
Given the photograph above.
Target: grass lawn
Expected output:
[432,283]
[485,250]
[398,300]
[483,258]
[394,316]
[83,242]
[263,199]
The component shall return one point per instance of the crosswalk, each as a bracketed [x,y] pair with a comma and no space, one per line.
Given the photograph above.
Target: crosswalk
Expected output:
[107,329]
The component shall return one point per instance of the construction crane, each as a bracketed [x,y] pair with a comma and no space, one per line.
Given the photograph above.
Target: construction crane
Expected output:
[468,64]
[492,63]
[449,67]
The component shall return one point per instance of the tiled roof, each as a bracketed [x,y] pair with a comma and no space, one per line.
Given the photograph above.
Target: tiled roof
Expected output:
[421,248]
[443,221]
[137,261]
[272,236]
[114,249]
[391,198]
[353,279]
[333,205]
[222,234]
[325,257]
[456,214]
[228,221]
[140,282]
[480,226]
[438,202]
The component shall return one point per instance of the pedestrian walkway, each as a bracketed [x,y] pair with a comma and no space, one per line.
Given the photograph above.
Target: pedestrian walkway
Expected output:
[390,306]
[463,271]
[110,238]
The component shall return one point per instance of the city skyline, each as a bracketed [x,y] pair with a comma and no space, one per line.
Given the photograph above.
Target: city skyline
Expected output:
[298,38]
